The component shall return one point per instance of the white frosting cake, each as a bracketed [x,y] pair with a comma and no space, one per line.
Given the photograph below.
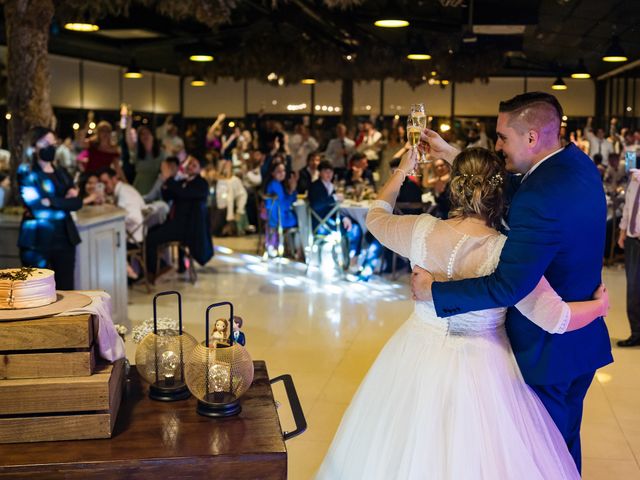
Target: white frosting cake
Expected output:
[26,288]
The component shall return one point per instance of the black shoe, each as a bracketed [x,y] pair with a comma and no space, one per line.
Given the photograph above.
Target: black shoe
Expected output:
[632,341]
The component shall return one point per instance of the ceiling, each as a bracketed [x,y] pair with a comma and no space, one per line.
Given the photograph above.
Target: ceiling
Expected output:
[307,38]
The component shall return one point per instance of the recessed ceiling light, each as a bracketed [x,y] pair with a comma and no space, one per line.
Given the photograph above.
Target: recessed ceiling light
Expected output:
[82,27]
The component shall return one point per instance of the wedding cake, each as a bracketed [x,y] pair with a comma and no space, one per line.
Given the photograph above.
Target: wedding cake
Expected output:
[26,288]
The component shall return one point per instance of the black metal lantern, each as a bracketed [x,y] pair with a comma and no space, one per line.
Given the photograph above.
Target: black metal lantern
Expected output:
[218,373]
[161,355]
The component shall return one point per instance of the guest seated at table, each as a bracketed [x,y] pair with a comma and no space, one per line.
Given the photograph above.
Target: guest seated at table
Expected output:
[615,175]
[323,199]
[229,217]
[188,221]
[359,173]
[310,173]
[130,200]
[437,181]
[279,210]
[91,190]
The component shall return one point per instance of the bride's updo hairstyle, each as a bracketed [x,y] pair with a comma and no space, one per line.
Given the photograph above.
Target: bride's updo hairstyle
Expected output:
[477,179]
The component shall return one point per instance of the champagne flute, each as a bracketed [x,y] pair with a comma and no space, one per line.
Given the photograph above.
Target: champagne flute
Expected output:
[418,112]
[413,135]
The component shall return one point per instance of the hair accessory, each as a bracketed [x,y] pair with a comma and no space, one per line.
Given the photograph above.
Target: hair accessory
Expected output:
[496,180]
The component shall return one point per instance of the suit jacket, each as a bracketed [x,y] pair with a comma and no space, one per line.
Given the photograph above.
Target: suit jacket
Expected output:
[189,215]
[557,225]
[319,199]
[42,226]
[241,338]
[304,180]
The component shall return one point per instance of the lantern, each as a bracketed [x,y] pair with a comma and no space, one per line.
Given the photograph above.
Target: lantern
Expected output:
[160,357]
[219,372]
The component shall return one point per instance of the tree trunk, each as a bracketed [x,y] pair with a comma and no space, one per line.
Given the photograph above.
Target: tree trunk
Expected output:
[27,25]
[346,98]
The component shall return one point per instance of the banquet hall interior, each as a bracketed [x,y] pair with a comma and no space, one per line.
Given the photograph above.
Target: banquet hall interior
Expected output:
[230,151]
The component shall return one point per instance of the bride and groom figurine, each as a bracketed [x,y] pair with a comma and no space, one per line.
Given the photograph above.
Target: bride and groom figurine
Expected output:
[221,334]
[486,380]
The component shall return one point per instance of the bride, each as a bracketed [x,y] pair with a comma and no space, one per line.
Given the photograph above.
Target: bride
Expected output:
[445,398]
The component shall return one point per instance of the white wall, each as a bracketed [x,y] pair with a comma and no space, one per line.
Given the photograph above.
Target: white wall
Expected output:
[104,88]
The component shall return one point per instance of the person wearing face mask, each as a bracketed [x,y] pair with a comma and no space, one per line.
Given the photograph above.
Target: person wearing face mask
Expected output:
[48,235]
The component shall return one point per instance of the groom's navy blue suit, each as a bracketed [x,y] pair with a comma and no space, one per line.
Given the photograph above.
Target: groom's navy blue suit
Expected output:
[557,223]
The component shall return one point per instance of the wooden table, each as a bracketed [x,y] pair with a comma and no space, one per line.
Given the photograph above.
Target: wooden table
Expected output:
[157,440]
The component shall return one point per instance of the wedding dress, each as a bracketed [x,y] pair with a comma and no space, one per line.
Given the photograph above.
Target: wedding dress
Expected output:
[445,398]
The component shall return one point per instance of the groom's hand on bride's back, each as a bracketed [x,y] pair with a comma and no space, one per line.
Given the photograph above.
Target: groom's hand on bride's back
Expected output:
[421,281]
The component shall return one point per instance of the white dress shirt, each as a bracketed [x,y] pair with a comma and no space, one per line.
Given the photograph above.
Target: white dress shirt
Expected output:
[335,148]
[602,146]
[631,197]
[129,199]
[231,194]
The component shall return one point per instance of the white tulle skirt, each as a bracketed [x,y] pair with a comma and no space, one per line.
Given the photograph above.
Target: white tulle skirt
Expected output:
[439,406]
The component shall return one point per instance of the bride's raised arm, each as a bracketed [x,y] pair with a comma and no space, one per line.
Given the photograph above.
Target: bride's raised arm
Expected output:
[544,307]
[393,231]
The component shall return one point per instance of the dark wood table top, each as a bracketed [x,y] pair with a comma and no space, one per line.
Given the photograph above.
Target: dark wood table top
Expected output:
[168,439]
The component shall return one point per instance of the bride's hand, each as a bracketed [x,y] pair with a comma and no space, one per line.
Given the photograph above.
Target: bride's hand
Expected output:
[602,294]
[437,146]
[408,161]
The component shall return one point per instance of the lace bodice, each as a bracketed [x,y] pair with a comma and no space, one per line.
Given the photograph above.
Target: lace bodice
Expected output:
[449,254]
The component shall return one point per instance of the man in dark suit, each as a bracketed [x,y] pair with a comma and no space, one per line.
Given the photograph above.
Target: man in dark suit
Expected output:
[556,224]
[188,220]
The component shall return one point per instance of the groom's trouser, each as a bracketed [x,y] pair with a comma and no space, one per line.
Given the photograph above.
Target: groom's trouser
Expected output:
[564,403]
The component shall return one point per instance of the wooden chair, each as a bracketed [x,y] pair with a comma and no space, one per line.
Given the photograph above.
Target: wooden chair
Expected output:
[138,252]
[175,247]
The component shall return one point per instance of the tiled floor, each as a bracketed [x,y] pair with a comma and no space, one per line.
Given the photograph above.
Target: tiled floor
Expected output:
[326,333]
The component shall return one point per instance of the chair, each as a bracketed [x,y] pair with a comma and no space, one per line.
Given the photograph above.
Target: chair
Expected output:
[284,236]
[175,248]
[138,251]
[327,229]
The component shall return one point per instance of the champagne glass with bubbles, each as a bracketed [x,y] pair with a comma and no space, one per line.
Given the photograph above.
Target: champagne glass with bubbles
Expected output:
[416,122]
[420,119]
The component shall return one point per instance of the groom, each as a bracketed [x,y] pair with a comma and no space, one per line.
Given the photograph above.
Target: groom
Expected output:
[557,220]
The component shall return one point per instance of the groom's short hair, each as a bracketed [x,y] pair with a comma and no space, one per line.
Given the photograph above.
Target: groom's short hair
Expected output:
[538,110]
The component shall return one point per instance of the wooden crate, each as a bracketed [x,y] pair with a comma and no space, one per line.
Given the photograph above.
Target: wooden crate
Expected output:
[72,408]
[48,348]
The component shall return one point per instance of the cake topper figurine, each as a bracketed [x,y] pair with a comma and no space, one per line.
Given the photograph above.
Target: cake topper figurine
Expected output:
[220,334]
[238,336]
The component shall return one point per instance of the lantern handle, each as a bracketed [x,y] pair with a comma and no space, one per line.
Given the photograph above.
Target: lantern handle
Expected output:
[155,310]
[296,407]
[211,307]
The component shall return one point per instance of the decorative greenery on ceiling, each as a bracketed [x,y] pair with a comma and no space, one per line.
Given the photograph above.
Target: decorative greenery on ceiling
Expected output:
[291,52]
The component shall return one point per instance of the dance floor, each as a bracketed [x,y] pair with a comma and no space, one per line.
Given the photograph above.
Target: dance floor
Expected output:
[326,333]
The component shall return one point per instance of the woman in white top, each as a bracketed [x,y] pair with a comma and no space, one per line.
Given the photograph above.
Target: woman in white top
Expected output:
[445,398]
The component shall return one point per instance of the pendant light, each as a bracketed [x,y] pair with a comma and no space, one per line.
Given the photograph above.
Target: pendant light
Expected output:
[198,81]
[559,84]
[581,72]
[615,53]
[417,50]
[133,71]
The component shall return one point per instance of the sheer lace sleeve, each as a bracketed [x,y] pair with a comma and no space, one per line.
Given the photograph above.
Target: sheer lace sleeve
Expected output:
[544,307]
[393,231]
